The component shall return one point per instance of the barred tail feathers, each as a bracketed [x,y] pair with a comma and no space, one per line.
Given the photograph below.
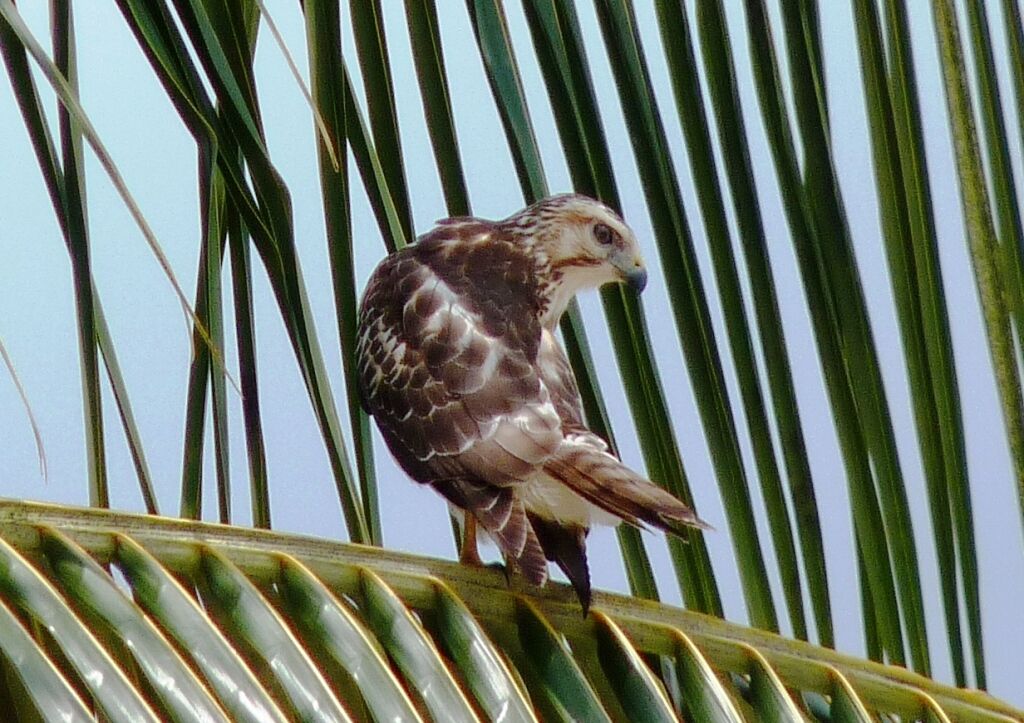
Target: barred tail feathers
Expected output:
[604,481]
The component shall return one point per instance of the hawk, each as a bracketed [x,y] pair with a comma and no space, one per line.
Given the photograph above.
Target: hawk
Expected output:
[460,367]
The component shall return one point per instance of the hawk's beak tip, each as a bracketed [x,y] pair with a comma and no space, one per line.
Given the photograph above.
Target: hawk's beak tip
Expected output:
[636,279]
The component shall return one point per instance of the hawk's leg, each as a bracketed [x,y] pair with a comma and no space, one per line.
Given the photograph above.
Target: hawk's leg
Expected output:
[469,554]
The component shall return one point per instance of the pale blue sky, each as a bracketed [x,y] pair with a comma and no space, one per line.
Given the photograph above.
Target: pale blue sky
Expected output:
[157,158]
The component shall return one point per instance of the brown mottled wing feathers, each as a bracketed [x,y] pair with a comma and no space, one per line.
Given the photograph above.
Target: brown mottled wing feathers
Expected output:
[448,337]
[501,514]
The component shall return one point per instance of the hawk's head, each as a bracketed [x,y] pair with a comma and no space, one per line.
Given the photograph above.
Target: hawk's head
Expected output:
[578,243]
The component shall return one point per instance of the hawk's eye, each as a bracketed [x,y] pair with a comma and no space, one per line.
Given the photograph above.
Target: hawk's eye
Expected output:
[603,234]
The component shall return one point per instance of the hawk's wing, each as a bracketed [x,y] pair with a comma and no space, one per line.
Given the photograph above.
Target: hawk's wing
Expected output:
[447,345]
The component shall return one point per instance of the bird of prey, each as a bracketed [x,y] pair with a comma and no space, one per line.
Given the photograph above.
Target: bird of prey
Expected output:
[460,367]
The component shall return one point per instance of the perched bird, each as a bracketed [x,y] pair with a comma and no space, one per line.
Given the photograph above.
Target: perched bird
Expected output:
[459,365]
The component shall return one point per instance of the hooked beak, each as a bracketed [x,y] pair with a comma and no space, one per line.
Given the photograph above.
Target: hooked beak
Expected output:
[633,271]
[636,279]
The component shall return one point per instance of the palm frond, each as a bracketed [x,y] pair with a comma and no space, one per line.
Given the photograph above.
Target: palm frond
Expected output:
[228,623]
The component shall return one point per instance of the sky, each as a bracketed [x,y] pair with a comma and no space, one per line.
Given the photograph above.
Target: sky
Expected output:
[157,158]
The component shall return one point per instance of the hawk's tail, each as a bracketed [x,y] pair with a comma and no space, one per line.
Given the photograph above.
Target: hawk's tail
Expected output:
[566,546]
[604,481]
